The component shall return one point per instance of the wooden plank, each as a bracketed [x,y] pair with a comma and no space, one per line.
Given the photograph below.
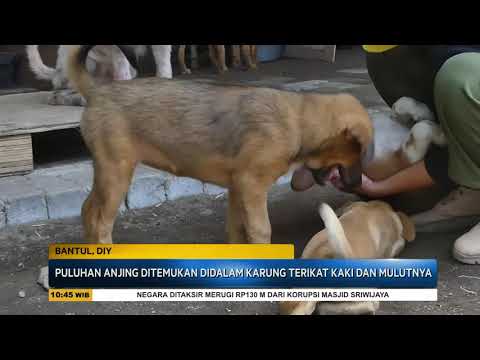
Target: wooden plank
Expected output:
[30,113]
[16,155]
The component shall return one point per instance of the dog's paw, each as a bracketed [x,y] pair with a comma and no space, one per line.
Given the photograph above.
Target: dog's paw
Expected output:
[66,98]
[422,135]
[408,110]
[222,70]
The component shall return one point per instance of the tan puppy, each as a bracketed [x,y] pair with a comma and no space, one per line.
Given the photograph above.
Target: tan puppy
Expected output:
[365,230]
[237,137]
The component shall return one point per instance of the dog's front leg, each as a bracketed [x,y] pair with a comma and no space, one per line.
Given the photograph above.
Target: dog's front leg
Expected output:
[237,60]
[407,109]
[253,196]
[235,225]
[181,60]
[217,57]
[112,179]
[163,61]
[194,57]
[249,54]
[121,66]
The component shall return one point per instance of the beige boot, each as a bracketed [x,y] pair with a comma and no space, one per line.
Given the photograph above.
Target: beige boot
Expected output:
[460,209]
[467,247]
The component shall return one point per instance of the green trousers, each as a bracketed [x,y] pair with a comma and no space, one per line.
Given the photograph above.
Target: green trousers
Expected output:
[457,102]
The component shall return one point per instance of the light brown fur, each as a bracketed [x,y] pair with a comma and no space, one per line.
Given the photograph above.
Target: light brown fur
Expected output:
[373,231]
[241,138]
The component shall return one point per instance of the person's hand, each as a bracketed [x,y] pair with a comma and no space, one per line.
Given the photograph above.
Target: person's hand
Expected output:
[369,188]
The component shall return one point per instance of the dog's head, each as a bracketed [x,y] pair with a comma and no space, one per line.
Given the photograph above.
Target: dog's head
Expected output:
[349,149]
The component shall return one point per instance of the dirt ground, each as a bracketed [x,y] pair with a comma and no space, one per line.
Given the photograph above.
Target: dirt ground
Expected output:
[294,217]
[23,250]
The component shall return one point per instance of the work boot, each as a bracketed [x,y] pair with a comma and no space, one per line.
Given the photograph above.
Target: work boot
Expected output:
[467,247]
[460,209]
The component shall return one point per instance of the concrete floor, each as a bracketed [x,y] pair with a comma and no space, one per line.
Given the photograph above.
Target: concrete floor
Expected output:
[201,219]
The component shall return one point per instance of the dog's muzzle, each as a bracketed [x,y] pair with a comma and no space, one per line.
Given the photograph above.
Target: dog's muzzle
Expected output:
[351,176]
[320,175]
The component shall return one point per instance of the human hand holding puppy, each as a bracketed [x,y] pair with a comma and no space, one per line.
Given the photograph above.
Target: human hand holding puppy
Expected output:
[410,179]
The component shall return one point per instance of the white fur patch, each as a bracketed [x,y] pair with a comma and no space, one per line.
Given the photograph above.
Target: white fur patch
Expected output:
[408,109]
[421,137]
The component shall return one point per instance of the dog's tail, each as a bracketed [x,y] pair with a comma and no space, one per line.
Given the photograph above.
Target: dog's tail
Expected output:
[77,72]
[335,233]
[41,71]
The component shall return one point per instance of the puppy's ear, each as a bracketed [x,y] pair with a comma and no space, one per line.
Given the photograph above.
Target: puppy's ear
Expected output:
[408,232]
[344,208]
[362,132]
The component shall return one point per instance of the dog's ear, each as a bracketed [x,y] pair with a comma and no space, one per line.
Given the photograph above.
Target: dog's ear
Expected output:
[344,208]
[408,232]
[362,132]
[360,135]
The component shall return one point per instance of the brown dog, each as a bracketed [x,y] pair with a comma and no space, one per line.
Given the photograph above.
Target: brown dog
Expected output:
[238,137]
[366,230]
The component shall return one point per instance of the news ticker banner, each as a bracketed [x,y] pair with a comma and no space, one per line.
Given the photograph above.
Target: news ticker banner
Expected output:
[229,273]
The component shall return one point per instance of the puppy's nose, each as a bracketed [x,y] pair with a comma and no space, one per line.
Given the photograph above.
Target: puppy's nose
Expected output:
[320,175]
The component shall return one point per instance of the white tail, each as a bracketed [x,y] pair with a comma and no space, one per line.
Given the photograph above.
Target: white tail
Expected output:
[336,235]
[42,71]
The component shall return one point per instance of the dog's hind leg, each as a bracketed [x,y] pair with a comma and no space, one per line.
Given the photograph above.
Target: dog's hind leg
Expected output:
[421,137]
[222,63]
[194,57]
[163,60]
[248,56]
[111,182]
[181,60]
[253,53]
[237,60]
[217,57]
